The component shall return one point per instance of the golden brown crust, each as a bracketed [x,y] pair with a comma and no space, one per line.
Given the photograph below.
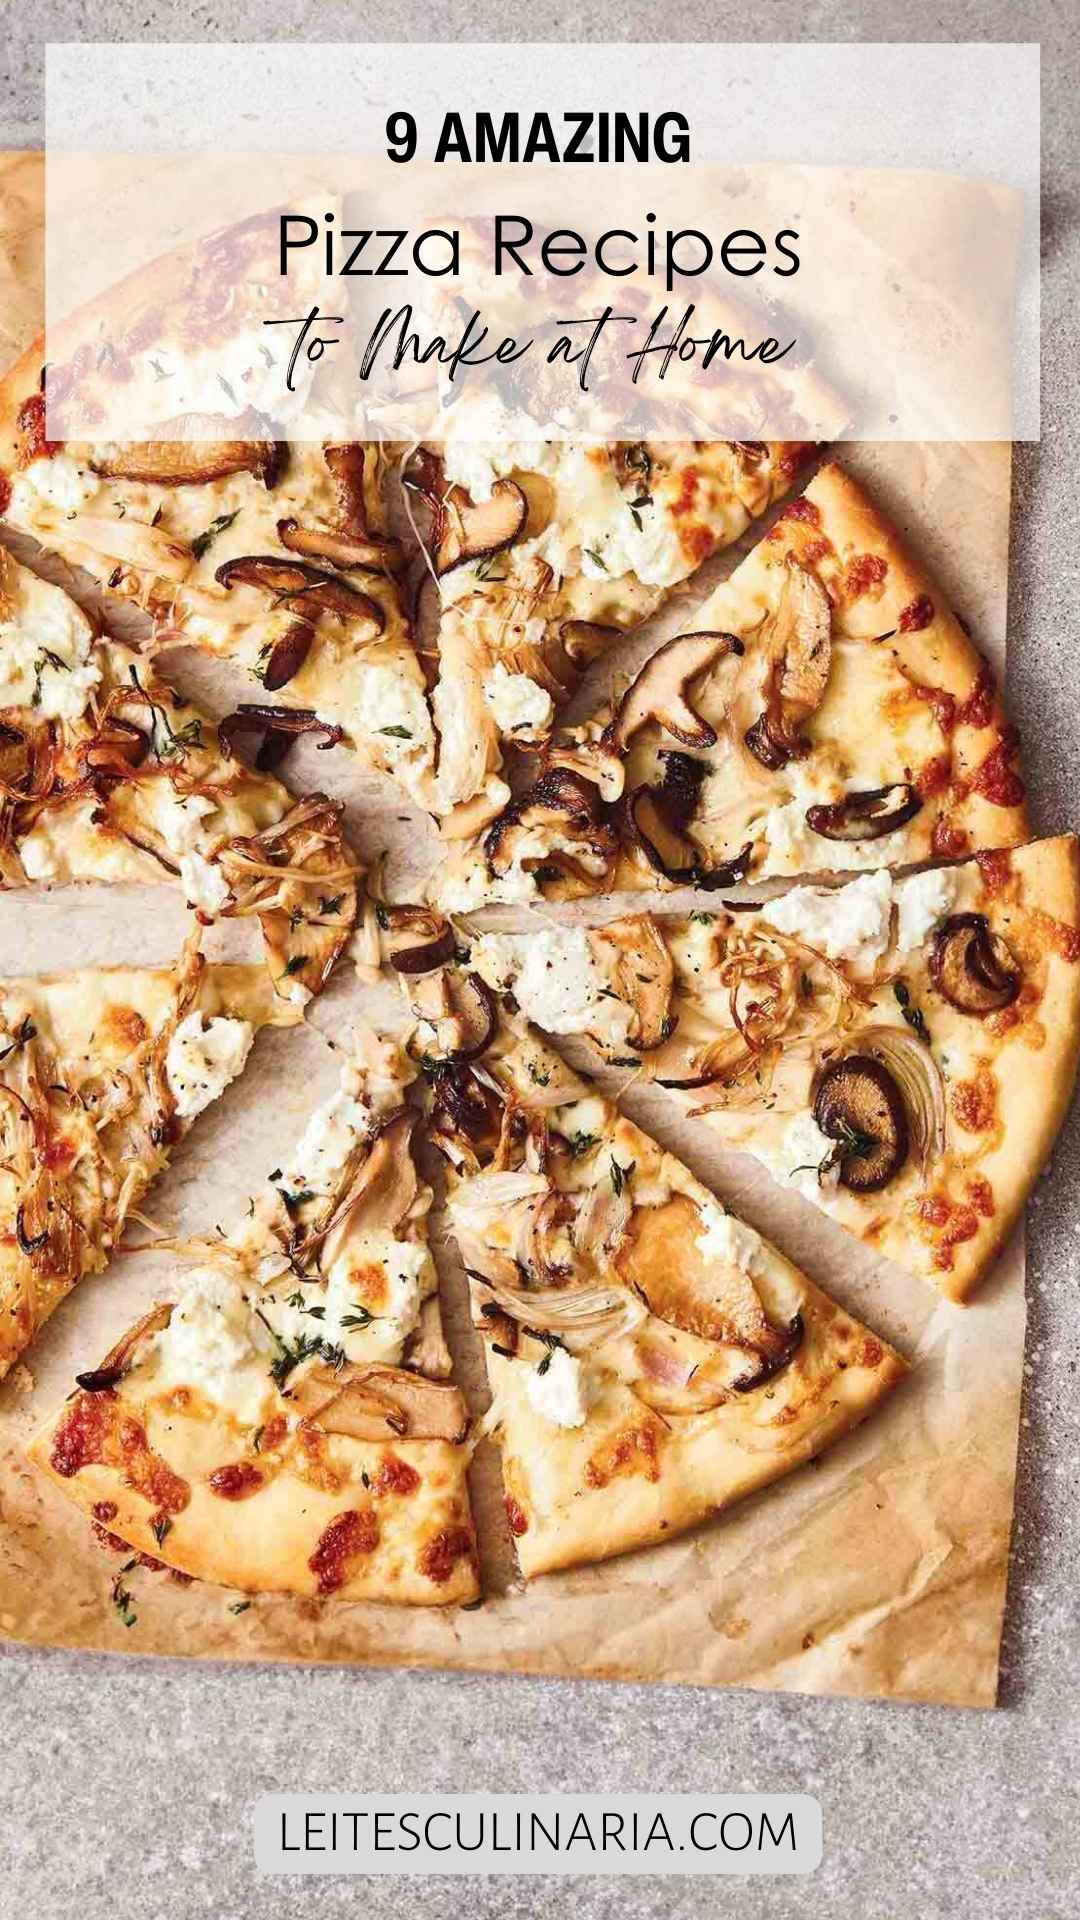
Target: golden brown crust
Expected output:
[399,1533]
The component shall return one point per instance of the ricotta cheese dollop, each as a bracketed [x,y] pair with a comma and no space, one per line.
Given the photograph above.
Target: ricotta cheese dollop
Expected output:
[394,711]
[559,1393]
[804,1158]
[214,1343]
[921,902]
[844,923]
[557,979]
[518,705]
[728,1240]
[202,1059]
[50,668]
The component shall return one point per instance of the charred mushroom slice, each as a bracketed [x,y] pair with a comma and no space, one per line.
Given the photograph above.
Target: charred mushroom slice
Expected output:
[418,938]
[202,456]
[799,644]
[340,549]
[287,656]
[460,1010]
[655,819]
[858,1104]
[972,967]
[279,726]
[556,822]
[302,588]
[466,531]
[659,692]
[346,463]
[868,815]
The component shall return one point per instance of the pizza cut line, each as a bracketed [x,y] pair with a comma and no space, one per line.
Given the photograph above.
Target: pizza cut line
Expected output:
[285,1420]
[545,554]
[652,1358]
[106,774]
[277,556]
[826,712]
[101,1072]
[901,1052]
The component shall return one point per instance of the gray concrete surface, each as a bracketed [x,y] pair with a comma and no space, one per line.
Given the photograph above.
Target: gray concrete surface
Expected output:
[128,1786]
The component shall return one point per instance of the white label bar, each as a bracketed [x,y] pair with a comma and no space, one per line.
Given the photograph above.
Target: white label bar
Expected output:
[521,1833]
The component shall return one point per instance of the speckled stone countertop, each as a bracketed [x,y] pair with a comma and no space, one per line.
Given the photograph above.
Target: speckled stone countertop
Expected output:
[128,1785]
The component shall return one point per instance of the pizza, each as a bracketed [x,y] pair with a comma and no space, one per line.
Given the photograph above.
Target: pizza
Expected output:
[900,1051]
[545,553]
[651,1357]
[827,712]
[101,1072]
[107,774]
[276,556]
[285,1420]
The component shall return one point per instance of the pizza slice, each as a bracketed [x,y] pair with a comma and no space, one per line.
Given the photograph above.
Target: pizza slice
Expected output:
[652,1359]
[827,712]
[101,1072]
[900,1051]
[286,1421]
[106,774]
[276,556]
[548,551]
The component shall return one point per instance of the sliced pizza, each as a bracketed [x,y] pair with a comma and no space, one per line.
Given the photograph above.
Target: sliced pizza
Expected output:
[900,1051]
[101,1072]
[546,552]
[286,1420]
[651,1357]
[826,712]
[107,774]
[275,556]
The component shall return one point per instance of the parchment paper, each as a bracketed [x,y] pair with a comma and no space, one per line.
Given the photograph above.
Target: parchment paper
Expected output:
[879,1569]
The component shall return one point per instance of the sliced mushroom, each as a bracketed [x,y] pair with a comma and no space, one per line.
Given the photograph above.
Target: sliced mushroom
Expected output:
[346,462]
[381,1403]
[798,641]
[302,588]
[279,727]
[418,938]
[460,1009]
[643,977]
[568,808]
[659,691]
[867,815]
[711,1298]
[465,1113]
[119,1358]
[340,549]
[583,640]
[426,1350]
[973,967]
[378,1197]
[858,1104]
[203,455]
[466,531]
[287,655]
[654,819]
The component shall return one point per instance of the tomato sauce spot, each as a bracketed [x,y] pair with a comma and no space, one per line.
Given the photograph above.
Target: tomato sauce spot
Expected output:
[353,1534]
[916,615]
[442,1552]
[517,1518]
[237,1480]
[30,425]
[947,841]
[996,778]
[395,1476]
[978,709]
[5,492]
[864,571]
[995,868]
[635,1450]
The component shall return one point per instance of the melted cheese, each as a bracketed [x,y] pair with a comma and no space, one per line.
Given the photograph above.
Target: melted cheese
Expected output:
[803,1157]
[46,659]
